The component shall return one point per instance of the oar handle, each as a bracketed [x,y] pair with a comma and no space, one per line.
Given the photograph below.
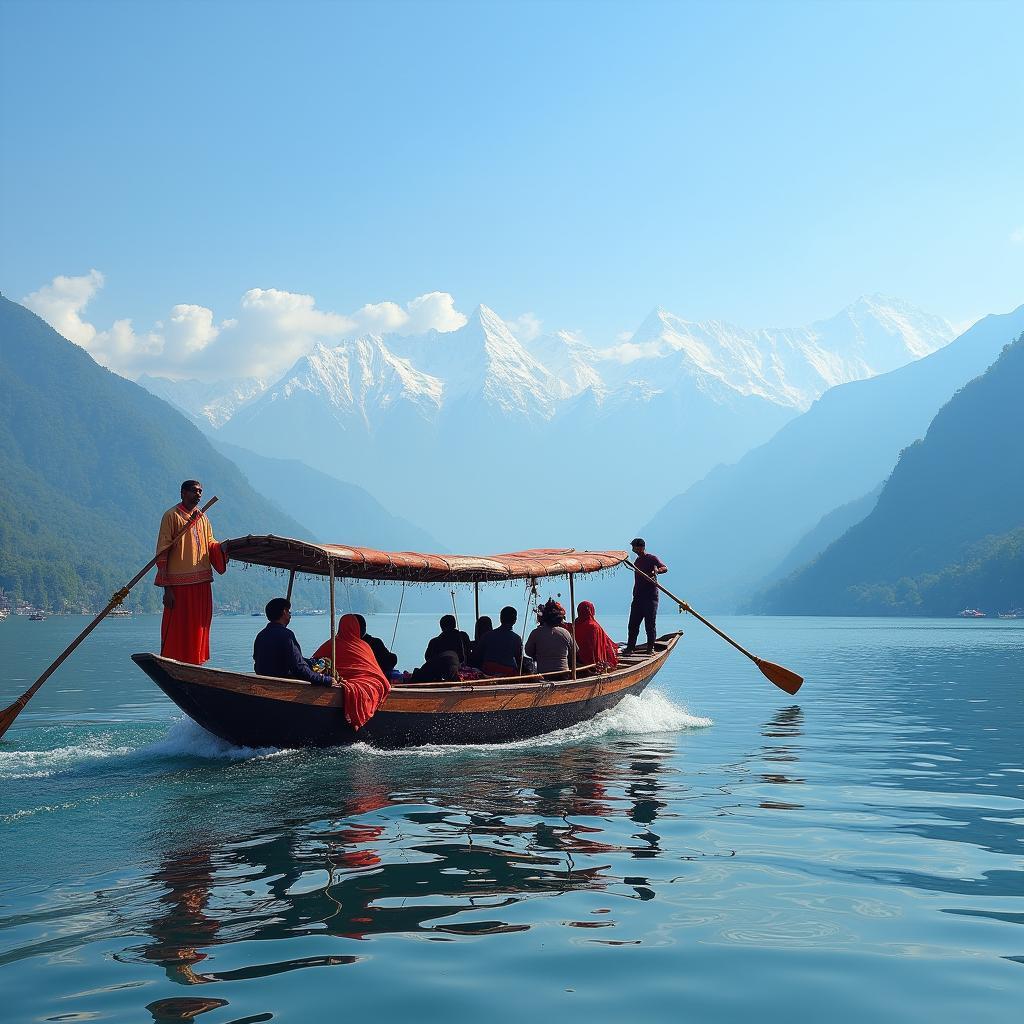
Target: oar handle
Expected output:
[781,676]
[684,606]
[9,714]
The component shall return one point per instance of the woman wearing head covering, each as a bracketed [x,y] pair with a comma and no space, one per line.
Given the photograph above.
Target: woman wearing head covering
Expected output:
[596,646]
[364,682]
[550,643]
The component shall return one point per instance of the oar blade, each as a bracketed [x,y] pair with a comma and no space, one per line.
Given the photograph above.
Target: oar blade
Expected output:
[8,715]
[781,677]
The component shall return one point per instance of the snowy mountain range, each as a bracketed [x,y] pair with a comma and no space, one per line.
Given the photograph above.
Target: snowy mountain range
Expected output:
[208,403]
[501,442]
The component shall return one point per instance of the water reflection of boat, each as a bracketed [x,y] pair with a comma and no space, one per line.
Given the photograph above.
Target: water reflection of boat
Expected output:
[252,710]
[540,828]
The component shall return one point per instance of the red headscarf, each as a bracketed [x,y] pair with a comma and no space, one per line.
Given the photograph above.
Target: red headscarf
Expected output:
[365,684]
[594,643]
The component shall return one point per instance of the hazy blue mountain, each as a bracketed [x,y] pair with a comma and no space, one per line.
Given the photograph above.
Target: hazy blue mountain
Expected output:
[731,529]
[954,506]
[826,531]
[335,511]
[89,462]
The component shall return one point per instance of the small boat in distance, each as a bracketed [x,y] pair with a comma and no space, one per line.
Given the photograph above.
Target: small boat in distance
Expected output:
[261,711]
[120,613]
[1013,613]
[36,617]
[971,613]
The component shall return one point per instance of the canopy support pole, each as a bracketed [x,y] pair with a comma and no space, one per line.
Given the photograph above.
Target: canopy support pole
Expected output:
[572,632]
[531,592]
[476,604]
[291,583]
[332,621]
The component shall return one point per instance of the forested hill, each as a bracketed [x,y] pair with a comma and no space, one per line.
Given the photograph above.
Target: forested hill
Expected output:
[948,529]
[89,461]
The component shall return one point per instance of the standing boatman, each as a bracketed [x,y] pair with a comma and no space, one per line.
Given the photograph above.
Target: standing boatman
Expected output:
[645,596]
[185,573]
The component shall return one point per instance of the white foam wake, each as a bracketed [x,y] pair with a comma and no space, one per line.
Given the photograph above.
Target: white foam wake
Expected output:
[38,764]
[642,715]
[183,739]
[186,738]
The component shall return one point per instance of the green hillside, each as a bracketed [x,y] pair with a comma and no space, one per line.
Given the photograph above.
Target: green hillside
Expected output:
[89,463]
[948,528]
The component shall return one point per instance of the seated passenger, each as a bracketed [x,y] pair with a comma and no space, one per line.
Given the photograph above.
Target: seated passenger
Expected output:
[275,652]
[442,668]
[484,626]
[385,658]
[596,647]
[500,652]
[451,638]
[365,684]
[550,643]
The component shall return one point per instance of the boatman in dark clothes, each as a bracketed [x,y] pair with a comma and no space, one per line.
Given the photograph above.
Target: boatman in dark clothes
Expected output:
[276,652]
[645,597]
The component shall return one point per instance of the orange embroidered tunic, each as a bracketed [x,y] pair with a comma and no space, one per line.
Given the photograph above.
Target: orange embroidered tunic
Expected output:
[188,562]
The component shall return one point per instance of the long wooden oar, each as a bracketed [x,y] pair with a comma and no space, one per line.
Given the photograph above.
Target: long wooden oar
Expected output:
[9,714]
[780,676]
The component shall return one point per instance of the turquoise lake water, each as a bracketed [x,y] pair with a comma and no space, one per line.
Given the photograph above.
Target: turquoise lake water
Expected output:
[714,850]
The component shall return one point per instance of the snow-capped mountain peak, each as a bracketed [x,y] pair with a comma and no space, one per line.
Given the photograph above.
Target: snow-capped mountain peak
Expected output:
[359,378]
[483,358]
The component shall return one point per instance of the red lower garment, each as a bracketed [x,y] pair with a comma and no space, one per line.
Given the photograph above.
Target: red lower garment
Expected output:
[185,629]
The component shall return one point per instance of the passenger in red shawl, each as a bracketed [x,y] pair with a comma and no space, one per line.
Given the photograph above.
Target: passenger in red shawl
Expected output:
[365,684]
[595,645]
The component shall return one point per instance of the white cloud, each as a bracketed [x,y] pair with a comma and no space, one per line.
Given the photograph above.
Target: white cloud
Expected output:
[525,327]
[1017,235]
[381,317]
[272,330]
[189,328]
[434,311]
[61,302]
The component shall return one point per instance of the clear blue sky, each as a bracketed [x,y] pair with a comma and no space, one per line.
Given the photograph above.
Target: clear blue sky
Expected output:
[763,163]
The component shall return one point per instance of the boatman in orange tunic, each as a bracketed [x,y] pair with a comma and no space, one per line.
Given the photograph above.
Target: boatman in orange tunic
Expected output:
[185,573]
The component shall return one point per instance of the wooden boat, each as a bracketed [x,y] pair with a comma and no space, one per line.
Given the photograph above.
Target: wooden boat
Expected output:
[257,711]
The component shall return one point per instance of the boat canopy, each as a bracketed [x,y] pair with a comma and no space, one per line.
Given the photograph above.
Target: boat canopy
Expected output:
[414,566]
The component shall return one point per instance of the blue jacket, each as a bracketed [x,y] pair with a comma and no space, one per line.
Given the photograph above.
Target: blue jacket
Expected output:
[276,652]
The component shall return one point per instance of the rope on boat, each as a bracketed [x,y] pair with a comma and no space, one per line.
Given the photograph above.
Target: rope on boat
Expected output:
[401,599]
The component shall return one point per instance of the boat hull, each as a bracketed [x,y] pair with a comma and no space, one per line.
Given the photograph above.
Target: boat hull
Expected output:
[257,711]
